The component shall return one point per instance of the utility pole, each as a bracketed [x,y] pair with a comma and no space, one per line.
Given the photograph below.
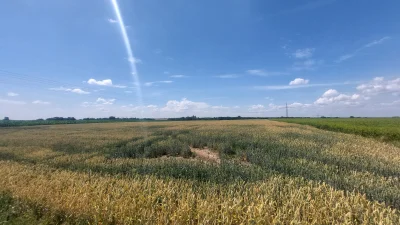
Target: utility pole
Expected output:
[287,111]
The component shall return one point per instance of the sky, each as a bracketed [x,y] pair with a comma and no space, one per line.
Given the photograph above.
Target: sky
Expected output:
[159,59]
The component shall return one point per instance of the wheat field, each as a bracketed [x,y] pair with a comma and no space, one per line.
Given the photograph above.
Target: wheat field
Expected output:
[147,173]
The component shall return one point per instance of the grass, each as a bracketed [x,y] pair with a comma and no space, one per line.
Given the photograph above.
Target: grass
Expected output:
[384,129]
[145,173]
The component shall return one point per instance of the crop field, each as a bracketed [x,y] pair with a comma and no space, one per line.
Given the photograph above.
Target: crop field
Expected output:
[196,172]
[384,129]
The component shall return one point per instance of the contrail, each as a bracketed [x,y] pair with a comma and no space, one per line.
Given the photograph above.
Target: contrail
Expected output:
[129,52]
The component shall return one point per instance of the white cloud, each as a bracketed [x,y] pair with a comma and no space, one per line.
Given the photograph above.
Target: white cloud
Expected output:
[256,107]
[298,81]
[351,55]
[73,90]
[135,60]
[119,86]
[166,72]
[178,76]
[219,107]
[330,93]
[184,105]
[263,73]
[340,98]
[12,94]
[78,91]
[227,76]
[297,105]
[303,53]
[105,101]
[272,107]
[100,103]
[158,51]
[106,82]
[112,20]
[379,79]
[128,92]
[379,85]
[148,84]
[6,101]
[39,102]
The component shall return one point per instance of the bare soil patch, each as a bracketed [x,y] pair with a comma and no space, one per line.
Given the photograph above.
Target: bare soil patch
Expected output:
[206,154]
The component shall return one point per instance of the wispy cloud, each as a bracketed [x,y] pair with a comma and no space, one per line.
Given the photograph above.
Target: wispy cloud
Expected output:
[309,64]
[178,76]
[285,87]
[135,60]
[73,90]
[112,20]
[158,51]
[148,84]
[227,76]
[377,42]
[269,98]
[6,101]
[39,102]
[263,73]
[371,44]
[303,53]
[12,94]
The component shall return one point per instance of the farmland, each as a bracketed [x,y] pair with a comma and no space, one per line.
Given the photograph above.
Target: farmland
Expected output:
[266,172]
[384,129]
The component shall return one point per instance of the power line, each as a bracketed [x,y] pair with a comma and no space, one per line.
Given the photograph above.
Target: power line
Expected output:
[10,77]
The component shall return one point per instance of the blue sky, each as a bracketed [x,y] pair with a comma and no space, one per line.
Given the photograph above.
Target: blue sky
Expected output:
[204,58]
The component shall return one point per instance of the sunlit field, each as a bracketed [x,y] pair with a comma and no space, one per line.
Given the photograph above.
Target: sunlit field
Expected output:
[383,129]
[196,172]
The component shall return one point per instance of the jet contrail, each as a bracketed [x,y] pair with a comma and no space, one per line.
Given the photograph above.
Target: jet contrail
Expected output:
[128,48]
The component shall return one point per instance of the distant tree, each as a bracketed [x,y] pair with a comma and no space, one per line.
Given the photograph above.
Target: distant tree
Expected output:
[111,118]
[6,118]
[351,116]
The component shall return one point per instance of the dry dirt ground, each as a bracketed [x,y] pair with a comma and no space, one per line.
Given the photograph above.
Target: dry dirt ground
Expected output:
[206,154]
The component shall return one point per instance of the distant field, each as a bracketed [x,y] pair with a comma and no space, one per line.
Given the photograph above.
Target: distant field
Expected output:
[19,123]
[196,172]
[384,129]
